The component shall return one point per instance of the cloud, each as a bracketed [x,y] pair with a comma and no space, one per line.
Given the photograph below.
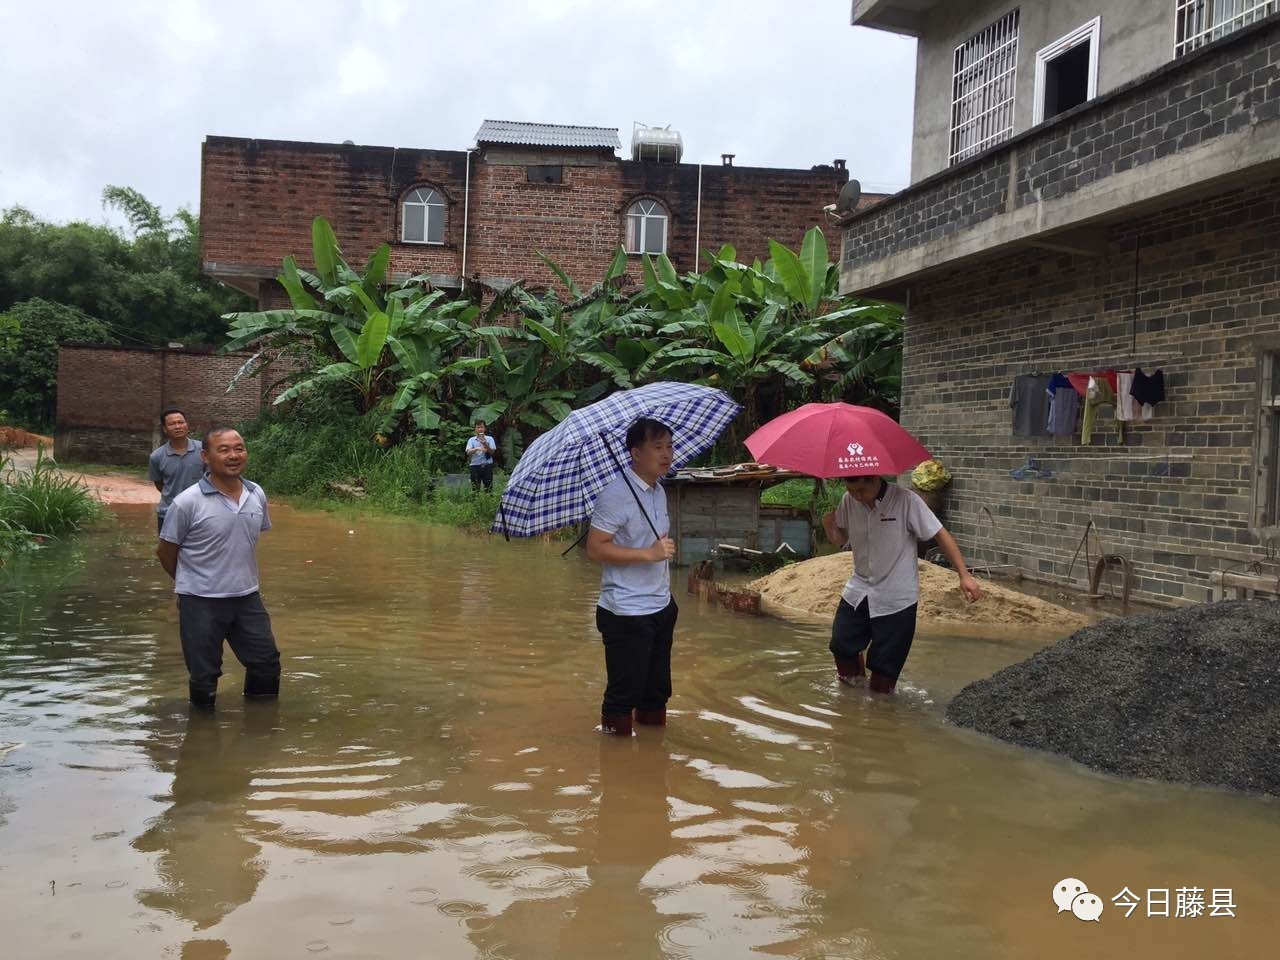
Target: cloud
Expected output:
[125,94]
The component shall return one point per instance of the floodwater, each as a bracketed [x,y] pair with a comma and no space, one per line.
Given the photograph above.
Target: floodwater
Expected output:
[430,783]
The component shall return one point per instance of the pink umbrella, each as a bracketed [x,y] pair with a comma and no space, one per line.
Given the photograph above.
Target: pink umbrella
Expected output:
[836,440]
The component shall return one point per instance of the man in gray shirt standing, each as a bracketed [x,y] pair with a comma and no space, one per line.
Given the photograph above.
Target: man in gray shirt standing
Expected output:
[209,545]
[176,464]
[636,616]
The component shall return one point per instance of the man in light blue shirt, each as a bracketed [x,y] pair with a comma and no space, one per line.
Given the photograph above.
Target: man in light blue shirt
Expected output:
[480,450]
[636,615]
[175,465]
[209,546]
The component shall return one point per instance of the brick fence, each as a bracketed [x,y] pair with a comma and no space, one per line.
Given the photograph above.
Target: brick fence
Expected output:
[110,399]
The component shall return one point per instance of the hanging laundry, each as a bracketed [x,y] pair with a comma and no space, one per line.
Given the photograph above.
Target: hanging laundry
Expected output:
[1030,404]
[1064,406]
[1098,393]
[1147,390]
[1126,407]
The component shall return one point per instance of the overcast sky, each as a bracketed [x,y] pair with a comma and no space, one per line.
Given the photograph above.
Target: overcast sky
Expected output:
[123,92]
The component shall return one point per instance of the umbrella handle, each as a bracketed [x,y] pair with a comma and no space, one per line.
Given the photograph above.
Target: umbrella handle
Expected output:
[618,463]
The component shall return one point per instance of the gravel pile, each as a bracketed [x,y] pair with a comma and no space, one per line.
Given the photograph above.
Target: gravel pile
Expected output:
[1190,696]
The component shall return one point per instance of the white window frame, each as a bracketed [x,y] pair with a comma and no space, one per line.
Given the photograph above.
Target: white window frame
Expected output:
[1267,446]
[421,197]
[1190,17]
[648,209]
[1090,33]
[988,117]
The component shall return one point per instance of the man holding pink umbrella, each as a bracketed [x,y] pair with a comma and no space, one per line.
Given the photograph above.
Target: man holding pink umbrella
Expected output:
[881,522]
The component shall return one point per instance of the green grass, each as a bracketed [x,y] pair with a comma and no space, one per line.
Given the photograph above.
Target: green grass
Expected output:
[799,493]
[305,461]
[41,503]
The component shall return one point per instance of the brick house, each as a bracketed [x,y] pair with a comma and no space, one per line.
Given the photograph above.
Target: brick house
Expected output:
[1094,186]
[482,213]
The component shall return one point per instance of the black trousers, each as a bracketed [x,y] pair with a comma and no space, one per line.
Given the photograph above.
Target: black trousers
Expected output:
[637,659]
[243,622]
[889,637]
[482,473]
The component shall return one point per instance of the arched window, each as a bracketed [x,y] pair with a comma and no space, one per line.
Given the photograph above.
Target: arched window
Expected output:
[646,227]
[423,217]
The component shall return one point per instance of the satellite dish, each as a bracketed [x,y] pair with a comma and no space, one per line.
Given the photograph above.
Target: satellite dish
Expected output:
[850,194]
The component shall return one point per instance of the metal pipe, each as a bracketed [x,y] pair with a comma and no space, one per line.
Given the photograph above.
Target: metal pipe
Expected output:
[697,230]
[466,210]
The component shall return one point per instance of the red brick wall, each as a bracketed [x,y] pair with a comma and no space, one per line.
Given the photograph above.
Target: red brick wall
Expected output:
[258,199]
[110,399]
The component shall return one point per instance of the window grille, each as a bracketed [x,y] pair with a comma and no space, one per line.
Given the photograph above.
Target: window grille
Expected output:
[983,87]
[1203,21]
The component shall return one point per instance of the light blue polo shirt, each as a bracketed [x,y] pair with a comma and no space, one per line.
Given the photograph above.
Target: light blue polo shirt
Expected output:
[480,452]
[217,539]
[633,589]
[174,471]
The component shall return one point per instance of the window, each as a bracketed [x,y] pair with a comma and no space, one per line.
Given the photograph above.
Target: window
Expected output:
[1203,21]
[423,220]
[1067,71]
[646,227]
[1267,499]
[546,173]
[982,89]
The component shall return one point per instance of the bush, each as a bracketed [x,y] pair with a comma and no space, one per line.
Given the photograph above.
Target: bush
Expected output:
[799,493]
[30,334]
[41,503]
[319,446]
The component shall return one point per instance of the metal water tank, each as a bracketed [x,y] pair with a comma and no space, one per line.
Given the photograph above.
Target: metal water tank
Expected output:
[660,144]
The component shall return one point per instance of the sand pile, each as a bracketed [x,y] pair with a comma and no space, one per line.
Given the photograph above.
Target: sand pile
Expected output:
[812,589]
[1191,696]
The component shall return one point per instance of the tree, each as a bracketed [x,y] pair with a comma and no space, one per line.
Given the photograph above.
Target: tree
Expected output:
[30,334]
[148,288]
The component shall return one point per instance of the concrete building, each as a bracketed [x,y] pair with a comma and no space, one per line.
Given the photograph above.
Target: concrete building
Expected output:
[1094,187]
[485,212]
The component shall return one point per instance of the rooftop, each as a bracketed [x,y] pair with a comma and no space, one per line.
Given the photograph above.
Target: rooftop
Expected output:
[547,135]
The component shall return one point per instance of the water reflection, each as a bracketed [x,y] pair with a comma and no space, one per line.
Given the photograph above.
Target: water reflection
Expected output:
[207,864]
[430,781]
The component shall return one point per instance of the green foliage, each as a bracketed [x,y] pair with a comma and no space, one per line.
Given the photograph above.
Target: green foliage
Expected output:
[799,494]
[41,503]
[148,288]
[321,445]
[772,335]
[30,334]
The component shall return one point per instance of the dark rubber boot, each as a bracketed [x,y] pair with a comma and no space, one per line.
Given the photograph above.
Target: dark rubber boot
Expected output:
[849,670]
[261,687]
[616,726]
[203,699]
[653,718]
[881,683]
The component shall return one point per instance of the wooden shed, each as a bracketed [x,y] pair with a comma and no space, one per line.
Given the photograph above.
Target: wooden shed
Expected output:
[722,505]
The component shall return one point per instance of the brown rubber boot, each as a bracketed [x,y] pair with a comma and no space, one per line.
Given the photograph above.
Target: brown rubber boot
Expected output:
[849,670]
[616,726]
[881,683]
[654,718]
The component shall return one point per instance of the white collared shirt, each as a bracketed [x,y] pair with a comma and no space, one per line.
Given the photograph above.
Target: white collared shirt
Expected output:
[633,589]
[883,538]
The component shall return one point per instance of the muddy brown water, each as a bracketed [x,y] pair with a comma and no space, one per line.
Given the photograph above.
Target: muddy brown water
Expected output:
[430,784]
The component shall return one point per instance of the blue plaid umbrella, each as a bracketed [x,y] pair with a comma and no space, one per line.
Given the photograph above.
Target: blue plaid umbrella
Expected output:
[556,481]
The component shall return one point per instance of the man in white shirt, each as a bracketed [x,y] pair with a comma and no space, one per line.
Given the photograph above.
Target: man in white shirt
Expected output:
[883,523]
[209,545]
[636,616]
